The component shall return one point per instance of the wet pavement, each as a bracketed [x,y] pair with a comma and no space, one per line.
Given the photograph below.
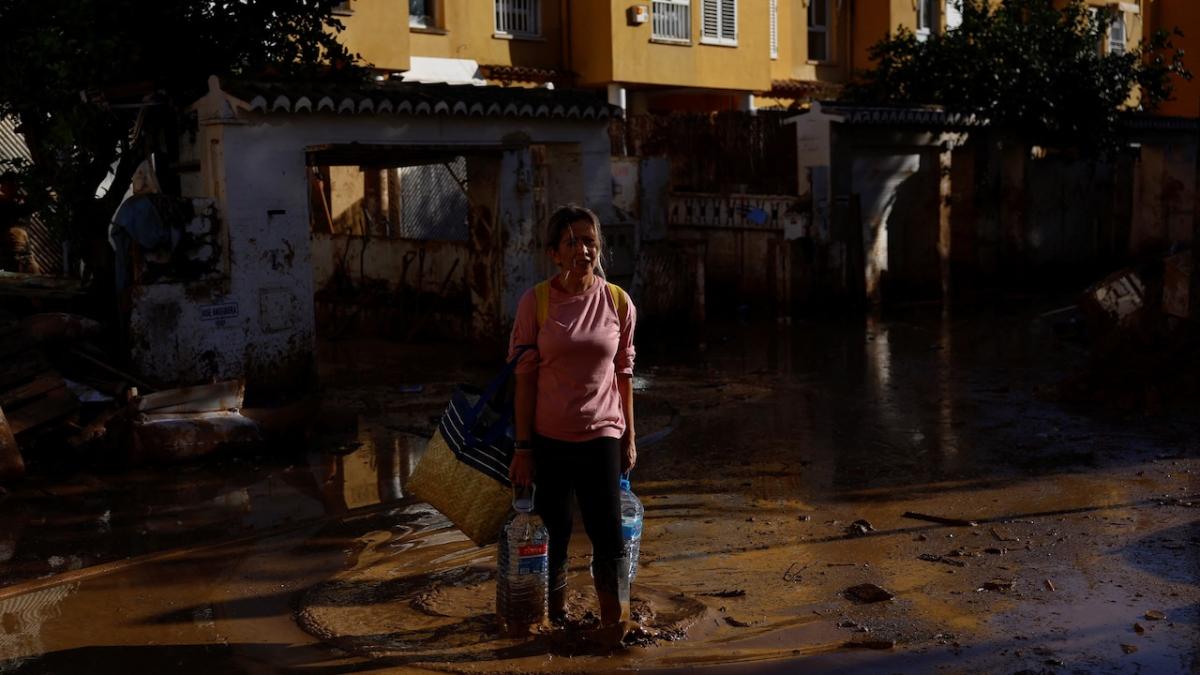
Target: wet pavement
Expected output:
[762,447]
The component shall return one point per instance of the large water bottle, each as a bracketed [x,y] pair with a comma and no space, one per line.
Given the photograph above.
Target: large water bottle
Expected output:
[522,569]
[631,525]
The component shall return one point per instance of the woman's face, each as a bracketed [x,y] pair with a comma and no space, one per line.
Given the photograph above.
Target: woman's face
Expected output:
[576,250]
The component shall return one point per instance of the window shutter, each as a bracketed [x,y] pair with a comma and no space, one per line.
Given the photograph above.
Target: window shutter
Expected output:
[729,20]
[774,11]
[711,20]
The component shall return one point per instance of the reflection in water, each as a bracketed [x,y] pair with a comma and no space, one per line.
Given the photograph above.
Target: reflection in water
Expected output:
[21,619]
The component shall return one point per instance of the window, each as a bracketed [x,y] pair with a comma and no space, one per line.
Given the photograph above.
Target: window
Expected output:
[773,11]
[1116,34]
[818,30]
[342,8]
[420,13]
[672,20]
[720,22]
[927,18]
[519,18]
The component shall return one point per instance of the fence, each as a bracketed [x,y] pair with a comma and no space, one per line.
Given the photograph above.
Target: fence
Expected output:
[726,152]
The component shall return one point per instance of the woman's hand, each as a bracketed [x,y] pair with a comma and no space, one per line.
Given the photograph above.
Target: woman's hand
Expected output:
[520,472]
[628,452]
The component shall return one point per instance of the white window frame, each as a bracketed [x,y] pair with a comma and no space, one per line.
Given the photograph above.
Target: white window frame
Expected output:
[427,20]
[928,19]
[1118,45]
[533,17]
[823,29]
[773,28]
[681,9]
[722,9]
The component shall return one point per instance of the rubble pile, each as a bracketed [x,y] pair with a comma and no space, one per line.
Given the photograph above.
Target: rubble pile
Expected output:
[59,393]
[1143,344]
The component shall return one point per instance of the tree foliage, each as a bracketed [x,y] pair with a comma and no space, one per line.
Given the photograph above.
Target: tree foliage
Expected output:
[1035,72]
[97,84]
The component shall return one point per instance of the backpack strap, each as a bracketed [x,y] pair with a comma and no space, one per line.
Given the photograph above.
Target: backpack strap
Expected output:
[541,293]
[620,299]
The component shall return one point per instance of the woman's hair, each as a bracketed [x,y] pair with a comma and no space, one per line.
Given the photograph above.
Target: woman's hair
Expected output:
[563,218]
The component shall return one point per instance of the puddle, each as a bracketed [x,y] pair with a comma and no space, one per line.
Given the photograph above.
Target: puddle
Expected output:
[781,439]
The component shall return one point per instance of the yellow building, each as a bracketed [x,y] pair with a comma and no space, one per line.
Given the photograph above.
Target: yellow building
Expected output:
[658,55]
[1185,15]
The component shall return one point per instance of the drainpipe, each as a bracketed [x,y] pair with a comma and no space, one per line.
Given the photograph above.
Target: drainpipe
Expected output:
[568,44]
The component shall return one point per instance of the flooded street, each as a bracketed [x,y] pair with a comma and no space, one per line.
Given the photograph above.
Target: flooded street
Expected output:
[780,466]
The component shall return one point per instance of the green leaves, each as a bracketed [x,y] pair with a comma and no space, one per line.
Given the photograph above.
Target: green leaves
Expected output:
[1036,72]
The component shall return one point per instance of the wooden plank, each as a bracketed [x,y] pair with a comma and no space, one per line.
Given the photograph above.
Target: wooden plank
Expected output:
[21,369]
[53,405]
[201,398]
[43,383]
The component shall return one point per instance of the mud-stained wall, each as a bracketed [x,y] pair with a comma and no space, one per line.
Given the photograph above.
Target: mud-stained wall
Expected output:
[399,288]
[1164,195]
[255,167]
[741,235]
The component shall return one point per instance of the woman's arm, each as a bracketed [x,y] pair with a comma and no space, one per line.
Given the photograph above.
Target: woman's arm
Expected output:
[520,472]
[629,440]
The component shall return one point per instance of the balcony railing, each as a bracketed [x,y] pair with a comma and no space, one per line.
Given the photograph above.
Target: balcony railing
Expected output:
[519,18]
[672,20]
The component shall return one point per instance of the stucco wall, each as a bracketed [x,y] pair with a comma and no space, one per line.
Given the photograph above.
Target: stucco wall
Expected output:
[378,31]
[260,184]
[466,30]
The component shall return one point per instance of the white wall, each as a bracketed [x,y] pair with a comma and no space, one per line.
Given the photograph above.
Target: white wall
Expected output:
[261,188]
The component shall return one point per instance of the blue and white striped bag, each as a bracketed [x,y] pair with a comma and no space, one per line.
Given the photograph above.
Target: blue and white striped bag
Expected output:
[464,471]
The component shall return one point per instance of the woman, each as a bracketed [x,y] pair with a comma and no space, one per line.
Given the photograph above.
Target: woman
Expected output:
[574,406]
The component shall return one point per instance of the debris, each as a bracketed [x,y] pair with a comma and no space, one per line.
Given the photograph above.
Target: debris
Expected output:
[804,518]
[1139,628]
[1155,615]
[1128,649]
[735,623]
[1003,536]
[1117,299]
[219,397]
[995,551]
[957,522]
[869,644]
[1049,585]
[847,623]
[920,537]
[998,585]
[930,557]
[189,422]
[791,574]
[867,593]
[731,593]
[859,528]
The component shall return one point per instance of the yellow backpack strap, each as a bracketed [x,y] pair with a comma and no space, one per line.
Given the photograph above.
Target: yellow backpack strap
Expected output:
[541,293]
[620,299]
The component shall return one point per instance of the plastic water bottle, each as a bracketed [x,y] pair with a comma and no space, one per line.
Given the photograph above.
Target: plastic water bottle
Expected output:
[631,525]
[522,570]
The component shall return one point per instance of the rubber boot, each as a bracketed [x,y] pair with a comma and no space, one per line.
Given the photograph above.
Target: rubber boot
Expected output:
[612,594]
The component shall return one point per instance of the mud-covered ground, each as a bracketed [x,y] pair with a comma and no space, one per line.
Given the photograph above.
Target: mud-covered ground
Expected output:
[778,466]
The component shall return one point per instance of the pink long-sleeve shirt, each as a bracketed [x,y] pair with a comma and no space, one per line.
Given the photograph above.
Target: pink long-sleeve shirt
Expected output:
[581,348]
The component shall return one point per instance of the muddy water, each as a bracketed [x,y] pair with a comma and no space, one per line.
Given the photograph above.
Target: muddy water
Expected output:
[780,438]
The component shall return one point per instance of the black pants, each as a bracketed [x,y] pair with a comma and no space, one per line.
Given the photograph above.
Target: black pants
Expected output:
[591,471]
